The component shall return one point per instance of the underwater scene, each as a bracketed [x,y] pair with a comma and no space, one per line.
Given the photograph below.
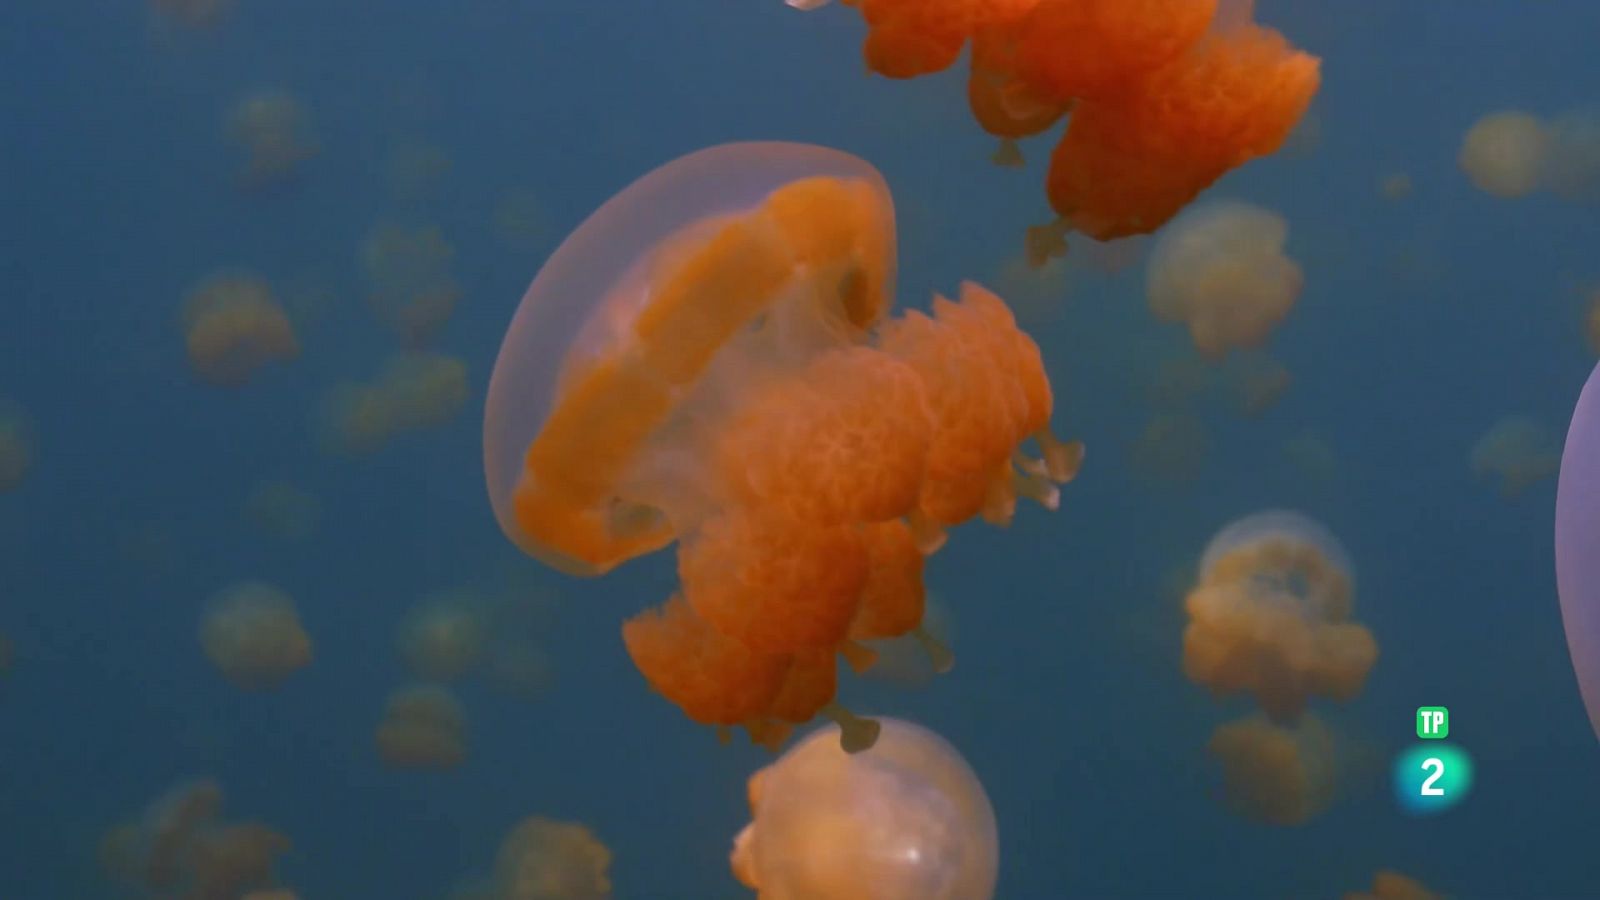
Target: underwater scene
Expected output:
[799,450]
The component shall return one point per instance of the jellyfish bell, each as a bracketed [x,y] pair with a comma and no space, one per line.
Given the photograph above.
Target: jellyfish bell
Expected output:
[907,819]
[1286,528]
[596,357]
[1578,544]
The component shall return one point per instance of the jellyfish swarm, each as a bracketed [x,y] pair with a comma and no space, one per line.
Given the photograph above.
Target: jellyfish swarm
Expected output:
[1270,613]
[706,361]
[905,820]
[1578,544]
[1164,96]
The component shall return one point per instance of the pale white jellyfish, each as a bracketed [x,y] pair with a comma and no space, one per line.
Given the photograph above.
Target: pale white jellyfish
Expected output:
[252,633]
[1503,153]
[1520,451]
[904,820]
[1220,268]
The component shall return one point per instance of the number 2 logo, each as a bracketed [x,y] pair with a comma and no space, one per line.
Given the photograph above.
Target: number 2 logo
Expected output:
[1437,765]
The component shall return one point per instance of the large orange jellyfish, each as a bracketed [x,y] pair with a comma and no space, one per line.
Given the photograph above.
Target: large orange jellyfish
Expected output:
[906,819]
[1164,96]
[707,361]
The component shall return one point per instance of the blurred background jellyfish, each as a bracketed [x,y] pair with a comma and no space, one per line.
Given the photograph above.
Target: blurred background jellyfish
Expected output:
[1269,616]
[1388,884]
[706,361]
[252,634]
[1281,775]
[1221,270]
[423,727]
[1503,153]
[905,820]
[274,132]
[233,326]
[1517,451]
[1578,544]
[1256,382]
[410,286]
[415,391]
[282,510]
[181,848]
[542,859]
[1162,97]
[443,638]
[16,445]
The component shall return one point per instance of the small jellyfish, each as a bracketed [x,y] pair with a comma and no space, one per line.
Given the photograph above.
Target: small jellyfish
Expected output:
[16,445]
[181,848]
[411,288]
[1276,774]
[233,326]
[415,391]
[1391,885]
[283,510]
[708,361]
[1519,451]
[443,639]
[1503,153]
[423,727]
[252,634]
[1270,616]
[905,820]
[274,131]
[542,859]
[1222,271]
[1577,540]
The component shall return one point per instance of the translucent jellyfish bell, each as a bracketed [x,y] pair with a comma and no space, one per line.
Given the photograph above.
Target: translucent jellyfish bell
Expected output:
[1578,544]
[904,820]
[588,302]
[1258,529]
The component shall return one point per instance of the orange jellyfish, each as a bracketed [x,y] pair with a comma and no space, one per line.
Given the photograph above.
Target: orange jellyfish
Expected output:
[1270,616]
[707,361]
[907,818]
[1164,96]
[1274,773]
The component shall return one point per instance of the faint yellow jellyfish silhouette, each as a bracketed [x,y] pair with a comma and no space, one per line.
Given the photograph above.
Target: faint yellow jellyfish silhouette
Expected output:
[423,727]
[283,511]
[1269,616]
[410,287]
[1572,162]
[443,638]
[1220,268]
[252,634]
[274,131]
[180,848]
[1395,186]
[1503,153]
[414,169]
[906,818]
[1311,456]
[519,218]
[193,13]
[1257,382]
[1276,774]
[542,859]
[228,860]
[16,445]
[233,326]
[1518,450]
[1391,885]
[1171,447]
[415,391]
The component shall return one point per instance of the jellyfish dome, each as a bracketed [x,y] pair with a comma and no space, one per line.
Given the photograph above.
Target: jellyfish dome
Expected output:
[1578,544]
[708,360]
[905,820]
